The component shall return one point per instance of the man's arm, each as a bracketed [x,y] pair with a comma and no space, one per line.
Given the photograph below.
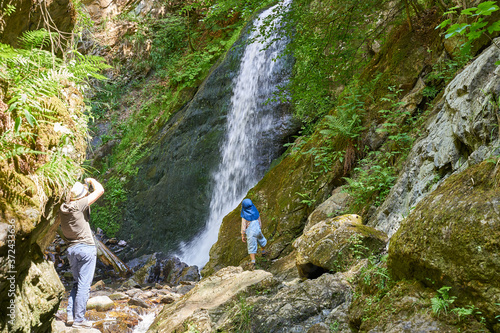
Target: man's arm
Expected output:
[98,190]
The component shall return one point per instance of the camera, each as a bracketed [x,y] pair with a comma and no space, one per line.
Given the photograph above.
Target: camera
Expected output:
[89,187]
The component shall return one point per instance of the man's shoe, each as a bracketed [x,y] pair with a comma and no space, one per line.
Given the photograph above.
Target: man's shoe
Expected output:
[82,324]
[69,321]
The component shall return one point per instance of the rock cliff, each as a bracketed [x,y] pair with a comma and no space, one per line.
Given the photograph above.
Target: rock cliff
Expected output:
[30,289]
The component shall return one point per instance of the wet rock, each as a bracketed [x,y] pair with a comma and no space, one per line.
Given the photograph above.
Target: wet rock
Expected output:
[136,263]
[170,298]
[133,292]
[99,285]
[138,302]
[130,283]
[119,296]
[100,303]
[170,270]
[334,244]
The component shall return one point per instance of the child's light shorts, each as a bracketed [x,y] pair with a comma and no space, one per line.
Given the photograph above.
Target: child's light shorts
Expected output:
[254,237]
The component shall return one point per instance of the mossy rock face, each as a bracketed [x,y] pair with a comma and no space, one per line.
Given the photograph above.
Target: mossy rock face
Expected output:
[405,55]
[333,245]
[29,206]
[282,210]
[452,238]
[406,308]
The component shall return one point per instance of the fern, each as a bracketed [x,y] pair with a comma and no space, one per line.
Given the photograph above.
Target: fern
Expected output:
[9,146]
[36,39]
[442,301]
[84,67]
[35,81]
[59,173]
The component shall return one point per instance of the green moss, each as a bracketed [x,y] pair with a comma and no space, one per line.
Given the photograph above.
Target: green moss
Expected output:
[409,302]
[452,238]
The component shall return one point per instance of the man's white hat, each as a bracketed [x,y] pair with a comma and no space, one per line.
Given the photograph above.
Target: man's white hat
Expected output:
[78,191]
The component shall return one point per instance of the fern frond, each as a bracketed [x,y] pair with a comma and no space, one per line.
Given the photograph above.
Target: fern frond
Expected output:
[60,173]
[84,67]
[9,146]
[36,39]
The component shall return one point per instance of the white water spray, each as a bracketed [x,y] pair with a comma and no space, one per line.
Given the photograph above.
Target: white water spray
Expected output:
[251,122]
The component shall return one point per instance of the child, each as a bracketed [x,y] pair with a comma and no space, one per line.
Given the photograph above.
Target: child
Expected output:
[251,232]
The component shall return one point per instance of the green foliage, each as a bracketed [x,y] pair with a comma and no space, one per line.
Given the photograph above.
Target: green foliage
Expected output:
[373,179]
[306,199]
[9,9]
[330,41]
[335,326]
[193,66]
[359,250]
[243,316]
[464,312]
[168,36]
[442,301]
[471,24]
[35,79]
[36,39]
[10,147]
[108,215]
[446,69]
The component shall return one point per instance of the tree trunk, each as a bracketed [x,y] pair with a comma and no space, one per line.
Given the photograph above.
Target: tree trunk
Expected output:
[408,15]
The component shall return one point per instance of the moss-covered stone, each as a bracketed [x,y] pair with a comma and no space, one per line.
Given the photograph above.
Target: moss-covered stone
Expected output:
[452,238]
[333,245]
[405,308]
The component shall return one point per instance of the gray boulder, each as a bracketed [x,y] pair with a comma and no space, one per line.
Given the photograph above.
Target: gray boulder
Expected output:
[462,132]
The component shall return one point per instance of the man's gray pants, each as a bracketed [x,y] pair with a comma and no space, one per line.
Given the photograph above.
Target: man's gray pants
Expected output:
[82,259]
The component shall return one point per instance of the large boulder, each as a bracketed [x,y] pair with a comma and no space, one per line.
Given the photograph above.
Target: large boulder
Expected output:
[405,308]
[210,293]
[329,208]
[292,306]
[452,238]
[334,244]
[298,307]
[462,132]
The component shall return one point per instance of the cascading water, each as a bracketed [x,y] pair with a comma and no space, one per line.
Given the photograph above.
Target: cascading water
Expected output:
[253,125]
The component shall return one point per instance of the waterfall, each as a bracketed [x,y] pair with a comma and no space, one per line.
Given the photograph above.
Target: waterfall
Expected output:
[253,124]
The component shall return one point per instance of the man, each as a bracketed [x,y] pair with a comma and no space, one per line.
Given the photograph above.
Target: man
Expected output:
[82,252]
